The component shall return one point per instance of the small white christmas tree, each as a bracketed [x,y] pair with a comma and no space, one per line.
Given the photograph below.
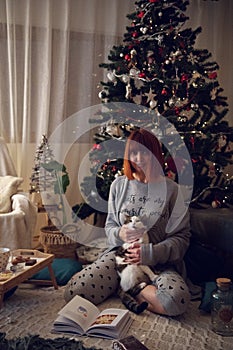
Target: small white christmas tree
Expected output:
[38,181]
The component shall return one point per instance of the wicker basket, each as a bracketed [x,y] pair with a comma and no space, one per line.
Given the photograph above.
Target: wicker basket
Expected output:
[55,242]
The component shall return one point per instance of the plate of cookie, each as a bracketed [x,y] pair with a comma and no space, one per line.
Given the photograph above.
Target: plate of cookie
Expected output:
[5,275]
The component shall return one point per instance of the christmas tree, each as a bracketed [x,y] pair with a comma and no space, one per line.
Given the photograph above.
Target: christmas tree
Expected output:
[44,154]
[50,179]
[158,67]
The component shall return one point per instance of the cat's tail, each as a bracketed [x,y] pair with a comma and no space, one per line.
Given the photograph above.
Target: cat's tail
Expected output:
[131,303]
[139,308]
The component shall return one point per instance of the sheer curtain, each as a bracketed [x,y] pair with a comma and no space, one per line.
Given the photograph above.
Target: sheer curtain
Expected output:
[50,52]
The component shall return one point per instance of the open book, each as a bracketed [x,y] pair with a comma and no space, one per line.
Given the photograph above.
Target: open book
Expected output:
[80,316]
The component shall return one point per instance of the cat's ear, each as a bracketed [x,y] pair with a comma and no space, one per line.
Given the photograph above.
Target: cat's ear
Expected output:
[127,218]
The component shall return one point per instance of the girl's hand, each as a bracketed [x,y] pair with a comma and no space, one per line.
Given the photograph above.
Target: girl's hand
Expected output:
[133,255]
[130,235]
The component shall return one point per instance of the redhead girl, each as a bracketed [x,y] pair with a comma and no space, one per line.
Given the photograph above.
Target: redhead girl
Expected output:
[143,191]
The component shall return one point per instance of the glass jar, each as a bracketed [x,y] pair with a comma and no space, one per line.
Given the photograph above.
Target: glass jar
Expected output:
[222,307]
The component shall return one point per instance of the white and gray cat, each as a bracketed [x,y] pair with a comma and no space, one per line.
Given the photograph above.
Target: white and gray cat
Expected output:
[132,277]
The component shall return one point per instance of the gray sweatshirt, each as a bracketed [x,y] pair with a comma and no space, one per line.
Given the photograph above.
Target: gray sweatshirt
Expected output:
[162,209]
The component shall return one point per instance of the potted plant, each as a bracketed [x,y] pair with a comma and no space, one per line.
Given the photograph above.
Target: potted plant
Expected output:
[57,182]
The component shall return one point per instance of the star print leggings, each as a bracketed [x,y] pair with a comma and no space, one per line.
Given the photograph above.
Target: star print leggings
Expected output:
[99,280]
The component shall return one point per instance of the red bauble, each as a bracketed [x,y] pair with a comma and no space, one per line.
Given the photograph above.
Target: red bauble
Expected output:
[127,57]
[140,14]
[96,146]
[135,34]
[164,92]
[184,77]
[192,141]
[212,75]
[142,75]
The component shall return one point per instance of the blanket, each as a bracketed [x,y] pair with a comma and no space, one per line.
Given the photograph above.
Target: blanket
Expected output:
[32,310]
[35,342]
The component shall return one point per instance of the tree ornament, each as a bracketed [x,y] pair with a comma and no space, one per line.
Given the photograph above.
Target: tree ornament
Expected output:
[177,53]
[222,141]
[194,106]
[111,76]
[212,75]
[153,104]
[192,141]
[127,57]
[172,101]
[212,172]
[103,94]
[96,146]
[134,72]
[150,57]
[142,75]
[159,38]
[182,119]
[125,78]
[216,204]
[143,30]
[140,14]
[137,99]
[150,95]
[184,77]
[164,92]
[133,54]
[128,91]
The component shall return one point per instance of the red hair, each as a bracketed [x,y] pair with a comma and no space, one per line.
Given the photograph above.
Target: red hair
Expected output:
[150,141]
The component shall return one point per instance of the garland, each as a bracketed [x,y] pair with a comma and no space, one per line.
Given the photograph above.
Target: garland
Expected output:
[35,342]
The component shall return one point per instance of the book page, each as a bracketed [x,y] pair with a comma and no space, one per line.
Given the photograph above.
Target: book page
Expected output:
[65,325]
[111,323]
[81,311]
[109,317]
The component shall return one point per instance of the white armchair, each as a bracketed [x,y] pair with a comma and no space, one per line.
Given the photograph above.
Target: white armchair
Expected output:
[16,225]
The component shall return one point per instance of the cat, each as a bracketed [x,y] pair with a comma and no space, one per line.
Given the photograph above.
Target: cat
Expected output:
[132,276]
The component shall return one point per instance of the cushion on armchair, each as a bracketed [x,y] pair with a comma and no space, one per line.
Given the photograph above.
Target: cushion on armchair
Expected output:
[8,186]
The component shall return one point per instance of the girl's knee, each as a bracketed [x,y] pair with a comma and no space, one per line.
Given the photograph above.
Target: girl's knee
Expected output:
[173,294]
[95,282]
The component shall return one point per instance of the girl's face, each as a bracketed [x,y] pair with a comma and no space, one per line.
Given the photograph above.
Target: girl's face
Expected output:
[140,158]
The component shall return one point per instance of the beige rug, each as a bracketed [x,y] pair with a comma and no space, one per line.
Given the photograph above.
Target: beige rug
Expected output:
[32,310]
